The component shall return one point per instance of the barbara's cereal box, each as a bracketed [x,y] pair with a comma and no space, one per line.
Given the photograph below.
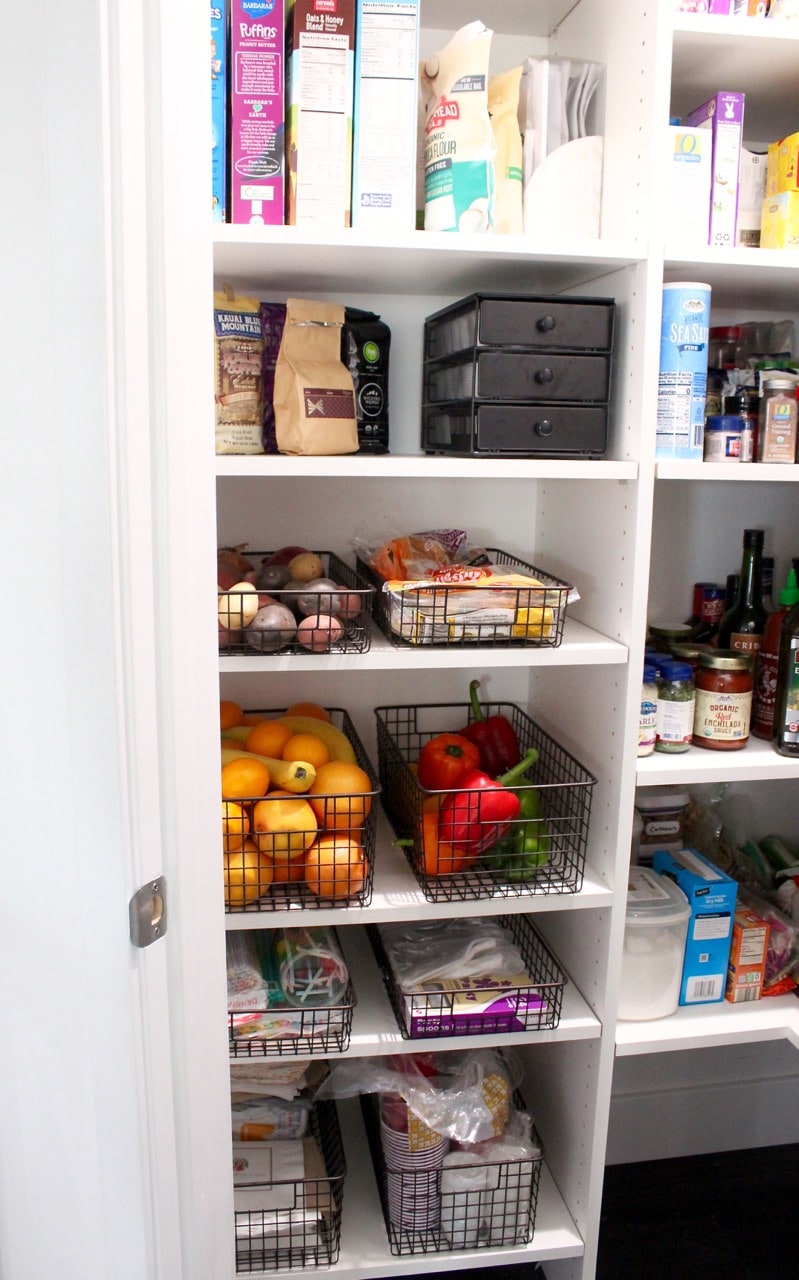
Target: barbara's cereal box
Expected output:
[218,113]
[320,45]
[256,111]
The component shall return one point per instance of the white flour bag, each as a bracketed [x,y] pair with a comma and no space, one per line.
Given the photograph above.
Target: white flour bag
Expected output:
[458,139]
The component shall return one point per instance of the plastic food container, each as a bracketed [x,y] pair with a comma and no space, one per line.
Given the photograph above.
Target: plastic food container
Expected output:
[654,946]
[662,810]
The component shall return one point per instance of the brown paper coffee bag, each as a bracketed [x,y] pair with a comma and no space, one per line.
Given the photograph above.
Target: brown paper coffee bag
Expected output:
[314,399]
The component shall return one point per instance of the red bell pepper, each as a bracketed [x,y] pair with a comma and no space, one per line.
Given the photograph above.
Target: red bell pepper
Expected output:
[494,736]
[480,812]
[443,761]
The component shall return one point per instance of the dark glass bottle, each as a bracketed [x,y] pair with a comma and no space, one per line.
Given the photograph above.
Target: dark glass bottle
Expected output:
[743,625]
[786,709]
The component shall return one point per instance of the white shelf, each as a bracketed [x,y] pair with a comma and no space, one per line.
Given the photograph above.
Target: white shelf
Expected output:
[756,762]
[731,473]
[419,262]
[399,466]
[703,1026]
[581,646]
[396,895]
[365,1252]
[741,279]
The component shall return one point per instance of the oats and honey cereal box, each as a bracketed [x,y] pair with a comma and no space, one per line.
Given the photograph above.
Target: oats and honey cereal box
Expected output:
[320,57]
[257,132]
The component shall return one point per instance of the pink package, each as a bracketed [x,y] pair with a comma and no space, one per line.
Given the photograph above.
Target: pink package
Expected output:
[704,6]
[257,159]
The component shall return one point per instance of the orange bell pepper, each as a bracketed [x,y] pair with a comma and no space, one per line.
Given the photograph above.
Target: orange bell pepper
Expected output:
[438,858]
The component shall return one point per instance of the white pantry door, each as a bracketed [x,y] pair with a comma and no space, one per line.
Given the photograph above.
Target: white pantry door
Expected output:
[108,701]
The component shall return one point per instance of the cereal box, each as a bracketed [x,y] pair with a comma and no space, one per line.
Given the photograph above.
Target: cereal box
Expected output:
[256,111]
[218,113]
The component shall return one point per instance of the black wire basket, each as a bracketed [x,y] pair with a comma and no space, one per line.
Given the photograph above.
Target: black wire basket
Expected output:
[304,1230]
[564,787]
[277,885]
[490,1006]
[350,611]
[423,1216]
[437,614]
[304,1032]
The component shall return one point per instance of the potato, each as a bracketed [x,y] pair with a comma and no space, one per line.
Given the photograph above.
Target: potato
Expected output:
[237,607]
[306,566]
[319,632]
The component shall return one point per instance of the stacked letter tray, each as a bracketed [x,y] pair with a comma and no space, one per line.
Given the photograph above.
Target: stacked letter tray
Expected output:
[518,375]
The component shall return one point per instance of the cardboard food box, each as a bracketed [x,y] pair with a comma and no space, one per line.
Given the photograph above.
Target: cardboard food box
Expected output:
[751,193]
[320,56]
[256,112]
[782,173]
[723,116]
[689,180]
[711,896]
[218,113]
[779,222]
[748,952]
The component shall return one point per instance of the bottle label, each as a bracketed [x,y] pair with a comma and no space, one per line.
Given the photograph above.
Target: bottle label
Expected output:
[789,729]
[765,693]
[675,722]
[646,726]
[722,717]
[744,643]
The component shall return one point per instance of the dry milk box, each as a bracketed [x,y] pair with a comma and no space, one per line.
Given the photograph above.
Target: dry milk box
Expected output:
[783,166]
[711,896]
[779,221]
[723,117]
[384,118]
[218,113]
[751,193]
[688,184]
[256,111]
[320,55]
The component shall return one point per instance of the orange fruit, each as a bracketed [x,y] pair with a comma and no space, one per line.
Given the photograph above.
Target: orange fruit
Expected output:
[235,825]
[289,870]
[308,709]
[305,746]
[335,866]
[284,825]
[230,714]
[242,777]
[339,795]
[267,738]
[248,874]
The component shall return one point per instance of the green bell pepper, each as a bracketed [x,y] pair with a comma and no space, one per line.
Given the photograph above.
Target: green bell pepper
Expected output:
[520,853]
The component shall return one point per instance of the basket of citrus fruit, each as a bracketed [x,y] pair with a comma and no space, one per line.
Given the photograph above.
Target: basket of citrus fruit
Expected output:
[298,809]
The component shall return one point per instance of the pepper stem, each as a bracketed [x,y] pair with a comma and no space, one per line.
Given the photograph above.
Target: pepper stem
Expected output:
[477,710]
[518,769]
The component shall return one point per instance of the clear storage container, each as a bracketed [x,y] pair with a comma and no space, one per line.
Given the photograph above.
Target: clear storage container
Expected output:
[654,946]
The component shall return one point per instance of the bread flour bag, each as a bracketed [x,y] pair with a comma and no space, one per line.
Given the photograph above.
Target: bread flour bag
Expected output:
[503,109]
[314,398]
[458,139]
[238,387]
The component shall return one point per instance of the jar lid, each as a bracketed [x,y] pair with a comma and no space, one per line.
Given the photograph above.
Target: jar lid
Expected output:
[650,673]
[654,899]
[690,652]
[723,422]
[676,671]
[725,660]
[670,630]
[658,799]
[782,384]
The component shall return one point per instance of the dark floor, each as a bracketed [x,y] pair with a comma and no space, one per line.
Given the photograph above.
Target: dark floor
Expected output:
[733,1216]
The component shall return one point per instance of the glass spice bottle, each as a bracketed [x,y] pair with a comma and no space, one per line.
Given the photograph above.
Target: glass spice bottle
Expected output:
[675,715]
[647,721]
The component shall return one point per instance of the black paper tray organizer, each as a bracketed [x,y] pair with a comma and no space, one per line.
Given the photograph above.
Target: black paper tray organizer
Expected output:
[527,321]
[491,1006]
[432,614]
[303,1229]
[298,1032]
[352,609]
[422,1215]
[355,889]
[564,787]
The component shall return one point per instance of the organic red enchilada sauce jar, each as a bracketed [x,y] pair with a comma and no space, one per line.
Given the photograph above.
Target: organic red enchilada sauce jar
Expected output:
[723,708]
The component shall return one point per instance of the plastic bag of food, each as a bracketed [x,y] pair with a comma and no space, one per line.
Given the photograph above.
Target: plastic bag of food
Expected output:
[503,106]
[414,555]
[458,140]
[238,377]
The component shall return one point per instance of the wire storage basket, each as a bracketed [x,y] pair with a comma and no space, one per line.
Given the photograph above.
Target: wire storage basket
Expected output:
[473,612]
[290,1223]
[343,612]
[336,866]
[564,790]
[487,1005]
[431,1209]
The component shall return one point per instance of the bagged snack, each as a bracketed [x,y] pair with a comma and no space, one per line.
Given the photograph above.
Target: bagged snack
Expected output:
[273,318]
[416,554]
[503,107]
[313,398]
[365,345]
[459,142]
[238,387]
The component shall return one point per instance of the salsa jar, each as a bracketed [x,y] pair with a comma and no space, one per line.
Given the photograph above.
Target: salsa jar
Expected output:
[723,707]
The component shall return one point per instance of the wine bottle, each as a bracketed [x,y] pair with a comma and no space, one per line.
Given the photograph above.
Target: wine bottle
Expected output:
[743,625]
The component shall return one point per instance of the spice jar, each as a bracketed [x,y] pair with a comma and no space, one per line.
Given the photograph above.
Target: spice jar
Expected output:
[723,700]
[776,428]
[647,720]
[675,720]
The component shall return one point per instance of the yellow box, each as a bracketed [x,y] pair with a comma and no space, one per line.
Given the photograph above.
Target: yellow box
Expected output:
[779,228]
[782,173]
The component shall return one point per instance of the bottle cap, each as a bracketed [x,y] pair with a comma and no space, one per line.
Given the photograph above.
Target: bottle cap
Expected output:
[789,594]
[753,538]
